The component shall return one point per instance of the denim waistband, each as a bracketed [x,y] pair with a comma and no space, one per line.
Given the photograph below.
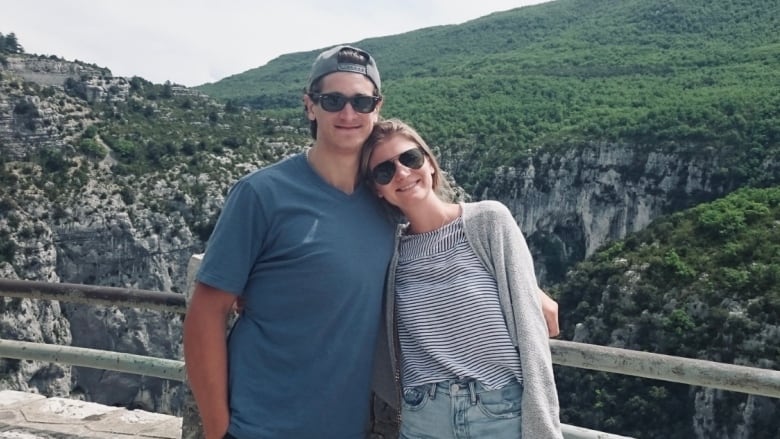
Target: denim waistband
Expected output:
[460,387]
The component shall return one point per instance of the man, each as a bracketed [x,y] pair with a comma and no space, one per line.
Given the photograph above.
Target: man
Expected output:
[306,247]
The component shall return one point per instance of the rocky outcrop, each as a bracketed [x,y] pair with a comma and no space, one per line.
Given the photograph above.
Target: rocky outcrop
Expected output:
[569,204]
[101,89]
[98,242]
[97,237]
[91,226]
[40,322]
[48,71]
[30,124]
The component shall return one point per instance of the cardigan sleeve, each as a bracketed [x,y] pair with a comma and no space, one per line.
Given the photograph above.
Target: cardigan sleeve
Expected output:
[499,242]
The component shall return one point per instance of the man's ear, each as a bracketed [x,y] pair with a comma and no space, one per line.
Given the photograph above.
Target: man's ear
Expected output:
[308,104]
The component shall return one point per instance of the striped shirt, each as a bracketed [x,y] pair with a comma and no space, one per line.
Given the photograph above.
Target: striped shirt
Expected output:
[450,322]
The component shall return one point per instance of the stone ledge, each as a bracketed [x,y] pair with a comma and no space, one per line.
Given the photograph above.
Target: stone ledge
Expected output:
[31,416]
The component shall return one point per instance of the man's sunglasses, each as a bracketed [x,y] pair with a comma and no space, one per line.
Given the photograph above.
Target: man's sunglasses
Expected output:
[333,102]
[383,173]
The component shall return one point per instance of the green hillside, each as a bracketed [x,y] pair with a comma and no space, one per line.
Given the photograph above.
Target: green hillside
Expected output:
[691,75]
[702,283]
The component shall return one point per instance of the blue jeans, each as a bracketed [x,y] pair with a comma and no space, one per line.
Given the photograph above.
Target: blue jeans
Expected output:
[461,409]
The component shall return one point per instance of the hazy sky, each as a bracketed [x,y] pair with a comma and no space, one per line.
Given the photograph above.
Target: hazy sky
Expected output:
[192,42]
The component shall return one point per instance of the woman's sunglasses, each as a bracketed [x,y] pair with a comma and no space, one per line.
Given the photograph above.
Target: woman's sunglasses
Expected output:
[383,173]
[333,102]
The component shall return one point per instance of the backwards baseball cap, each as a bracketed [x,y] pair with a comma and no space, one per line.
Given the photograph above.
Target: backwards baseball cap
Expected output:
[328,62]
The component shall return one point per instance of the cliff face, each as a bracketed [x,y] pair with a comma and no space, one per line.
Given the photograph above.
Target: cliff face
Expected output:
[136,248]
[97,240]
[68,217]
[92,227]
[571,203]
[50,71]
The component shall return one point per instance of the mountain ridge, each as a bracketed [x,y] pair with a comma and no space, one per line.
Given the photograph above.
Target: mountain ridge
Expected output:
[693,75]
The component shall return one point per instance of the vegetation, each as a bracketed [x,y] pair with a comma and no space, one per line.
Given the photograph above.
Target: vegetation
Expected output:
[143,138]
[696,75]
[133,135]
[702,283]
[10,44]
[7,247]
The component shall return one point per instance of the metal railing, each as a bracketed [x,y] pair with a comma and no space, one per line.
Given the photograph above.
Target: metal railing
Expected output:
[757,381]
[93,295]
[94,358]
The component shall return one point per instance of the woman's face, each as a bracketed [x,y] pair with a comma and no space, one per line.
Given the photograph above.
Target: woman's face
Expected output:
[406,169]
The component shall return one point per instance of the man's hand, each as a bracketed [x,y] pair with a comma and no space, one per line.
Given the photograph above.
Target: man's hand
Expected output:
[550,311]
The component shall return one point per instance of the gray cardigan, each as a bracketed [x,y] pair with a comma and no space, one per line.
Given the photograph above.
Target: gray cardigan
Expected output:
[493,234]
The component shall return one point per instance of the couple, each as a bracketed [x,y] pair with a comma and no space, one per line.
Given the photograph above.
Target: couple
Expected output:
[306,244]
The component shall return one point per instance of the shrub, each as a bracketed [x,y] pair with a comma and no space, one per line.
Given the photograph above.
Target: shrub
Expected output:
[124,149]
[7,248]
[25,108]
[93,149]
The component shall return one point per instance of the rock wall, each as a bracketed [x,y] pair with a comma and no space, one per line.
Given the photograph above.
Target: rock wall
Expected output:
[571,203]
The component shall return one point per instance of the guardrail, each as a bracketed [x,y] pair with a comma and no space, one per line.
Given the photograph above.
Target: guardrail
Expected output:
[757,381]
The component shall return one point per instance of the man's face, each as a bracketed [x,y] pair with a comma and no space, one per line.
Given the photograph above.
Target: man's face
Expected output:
[345,129]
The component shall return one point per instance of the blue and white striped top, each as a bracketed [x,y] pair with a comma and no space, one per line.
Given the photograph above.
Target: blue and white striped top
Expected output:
[450,322]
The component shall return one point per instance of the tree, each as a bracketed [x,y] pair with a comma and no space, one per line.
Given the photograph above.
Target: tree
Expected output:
[10,44]
[7,247]
[167,90]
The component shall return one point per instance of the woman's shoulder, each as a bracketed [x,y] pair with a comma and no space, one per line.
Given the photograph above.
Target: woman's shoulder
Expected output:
[486,209]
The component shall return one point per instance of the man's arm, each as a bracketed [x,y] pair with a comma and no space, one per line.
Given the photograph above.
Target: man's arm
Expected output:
[205,356]
[550,311]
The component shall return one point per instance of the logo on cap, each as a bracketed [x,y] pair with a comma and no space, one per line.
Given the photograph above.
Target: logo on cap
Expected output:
[355,68]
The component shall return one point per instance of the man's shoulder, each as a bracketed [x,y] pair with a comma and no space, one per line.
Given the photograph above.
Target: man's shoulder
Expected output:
[273,175]
[284,167]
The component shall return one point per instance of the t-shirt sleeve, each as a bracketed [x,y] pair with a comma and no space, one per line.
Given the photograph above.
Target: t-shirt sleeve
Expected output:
[236,241]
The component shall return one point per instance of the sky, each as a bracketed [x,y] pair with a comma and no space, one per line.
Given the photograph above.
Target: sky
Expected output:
[193,42]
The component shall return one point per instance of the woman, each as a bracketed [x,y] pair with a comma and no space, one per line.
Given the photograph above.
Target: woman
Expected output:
[463,308]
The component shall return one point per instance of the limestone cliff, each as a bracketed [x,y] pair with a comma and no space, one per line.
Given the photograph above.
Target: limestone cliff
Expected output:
[67,218]
[572,202]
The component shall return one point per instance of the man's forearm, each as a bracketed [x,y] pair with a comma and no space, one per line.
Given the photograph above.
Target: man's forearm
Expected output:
[205,355]
[550,312]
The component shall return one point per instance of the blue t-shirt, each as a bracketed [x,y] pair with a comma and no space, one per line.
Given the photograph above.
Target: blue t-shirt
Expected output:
[310,262]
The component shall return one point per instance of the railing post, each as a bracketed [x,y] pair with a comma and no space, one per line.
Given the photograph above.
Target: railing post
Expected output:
[191,425]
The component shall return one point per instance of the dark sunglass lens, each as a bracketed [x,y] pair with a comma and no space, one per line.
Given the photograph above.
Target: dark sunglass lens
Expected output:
[383,172]
[363,104]
[332,102]
[413,159]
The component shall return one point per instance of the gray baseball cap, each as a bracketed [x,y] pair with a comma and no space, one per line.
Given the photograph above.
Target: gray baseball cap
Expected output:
[328,62]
